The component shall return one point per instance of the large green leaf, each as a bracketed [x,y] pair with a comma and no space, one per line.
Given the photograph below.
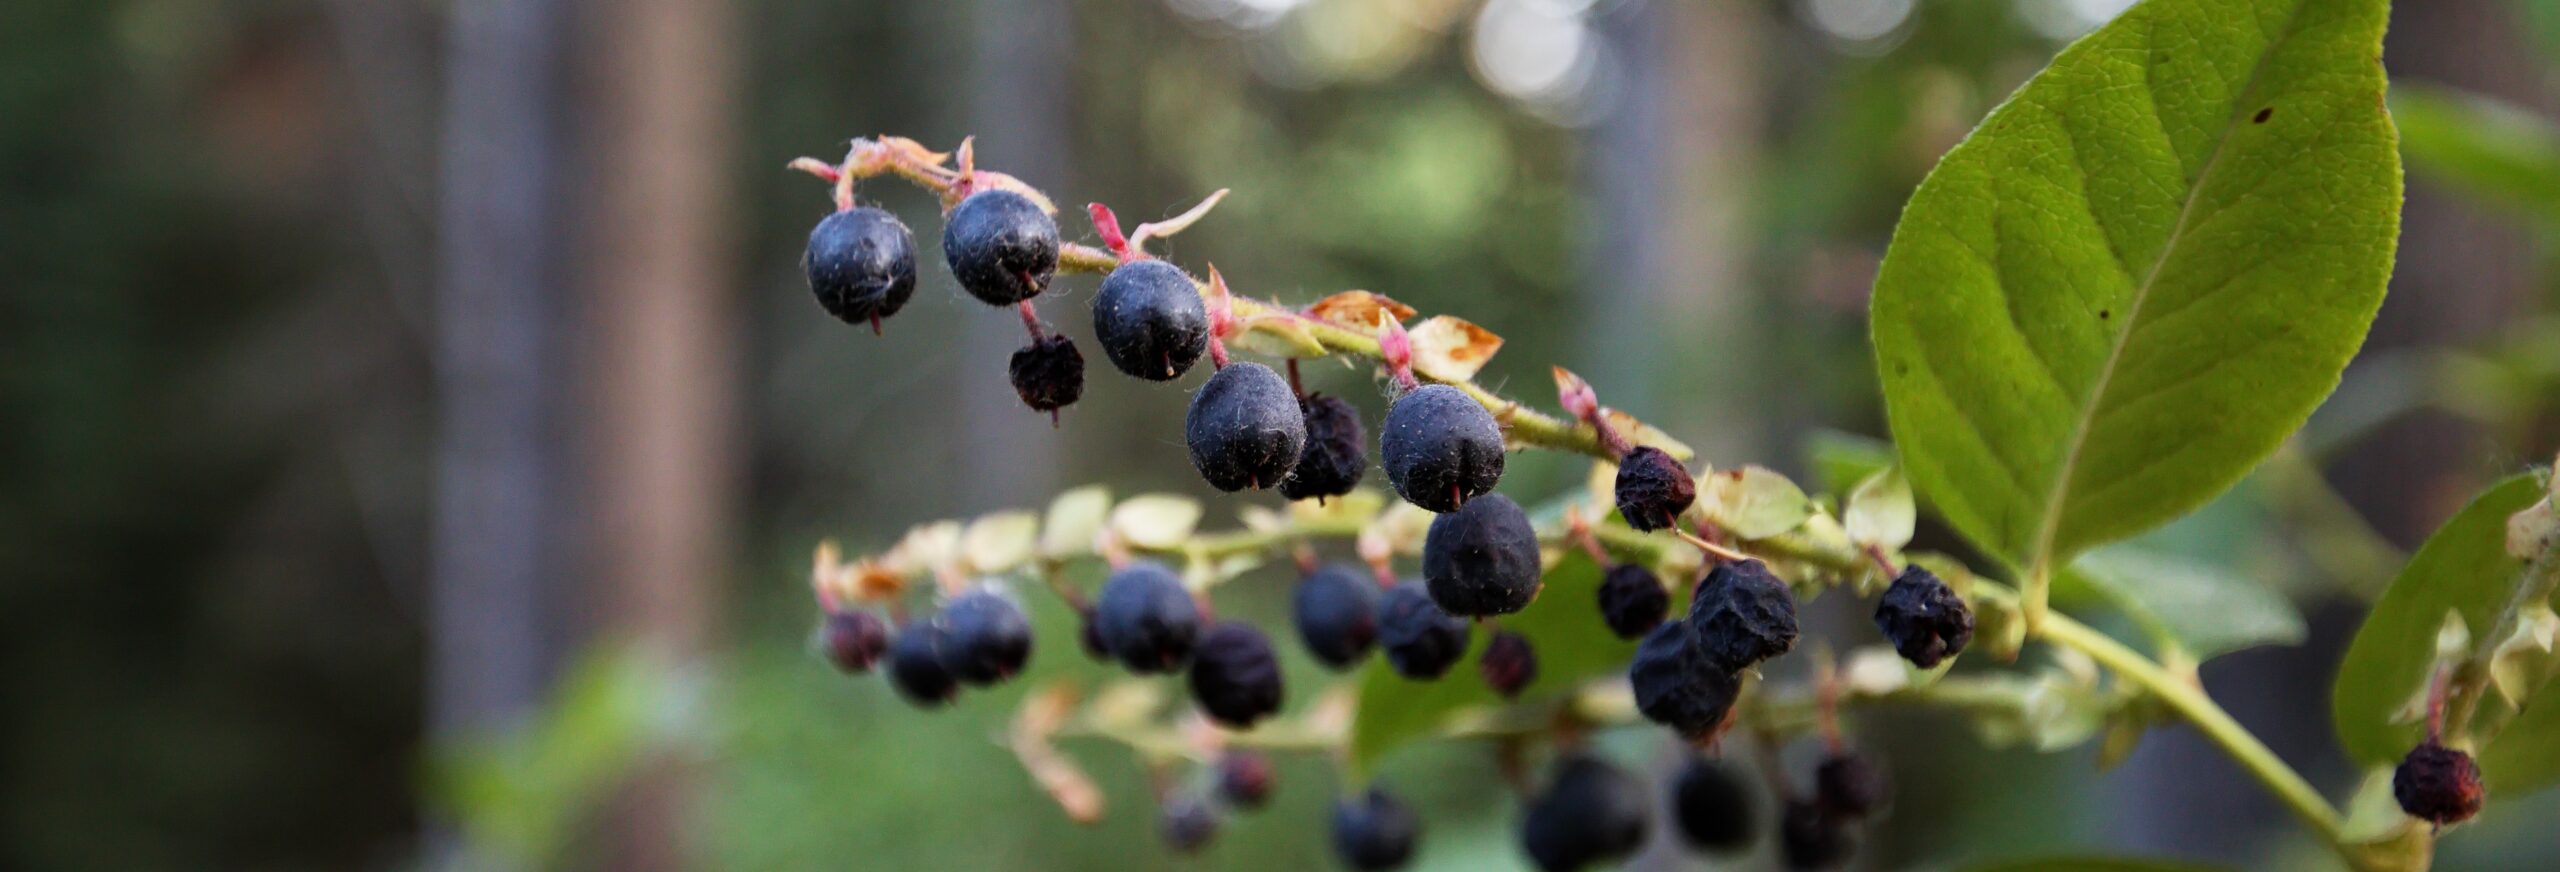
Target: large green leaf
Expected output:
[2526,754]
[1563,625]
[2464,567]
[2141,272]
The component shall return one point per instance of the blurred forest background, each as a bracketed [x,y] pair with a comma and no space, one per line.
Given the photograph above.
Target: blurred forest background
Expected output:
[377,375]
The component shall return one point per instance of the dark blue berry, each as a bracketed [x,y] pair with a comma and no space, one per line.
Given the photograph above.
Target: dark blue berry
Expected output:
[1679,687]
[1440,447]
[1001,246]
[1850,785]
[1810,838]
[1090,638]
[861,264]
[1187,823]
[1337,452]
[1244,428]
[1632,600]
[1482,559]
[2438,785]
[1336,611]
[1509,664]
[1420,639]
[1924,618]
[1244,778]
[853,639]
[1591,813]
[1047,374]
[985,637]
[1374,832]
[1146,617]
[1743,614]
[1235,676]
[1653,489]
[1712,804]
[915,665]
[1150,321]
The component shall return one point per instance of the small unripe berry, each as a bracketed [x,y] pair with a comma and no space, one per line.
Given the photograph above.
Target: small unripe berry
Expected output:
[853,639]
[1482,559]
[1743,614]
[1851,785]
[1336,611]
[1677,685]
[1809,838]
[1048,374]
[985,637]
[1244,428]
[1001,247]
[1422,641]
[915,665]
[1440,447]
[1337,452]
[1591,813]
[1146,617]
[1924,618]
[1509,664]
[1653,489]
[1632,600]
[1235,676]
[1712,803]
[861,264]
[1150,321]
[2438,785]
[1187,824]
[1374,832]
[1244,778]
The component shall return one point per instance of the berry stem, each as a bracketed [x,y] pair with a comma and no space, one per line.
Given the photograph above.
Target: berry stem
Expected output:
[1882,561]
[1714,550]
[1295,387]
[1031,319]
[2469,680]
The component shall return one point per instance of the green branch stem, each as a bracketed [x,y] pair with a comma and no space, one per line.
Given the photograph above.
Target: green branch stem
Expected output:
[2471,678]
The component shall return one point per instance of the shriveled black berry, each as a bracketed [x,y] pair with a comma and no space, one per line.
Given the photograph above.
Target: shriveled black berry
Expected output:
[1924,618]
[985,637]
[1244,428]
[1591,813]
[1001,246]
[1146,618]
[1851,785]
[1482,559]
[1336,611]
[2438,785]
[1374,832]
[1420,639]
[1187,823]
[1712,804]
[1509,664]
[1809,838]
[1440,447]
[1150,321]
[1632,600]
[1743,614]
[915,665]
[1048,373]
[1235,676]
[1677,685]
[1653,489]
[853,639]
[861,264]
[1244,778]
[1337,452]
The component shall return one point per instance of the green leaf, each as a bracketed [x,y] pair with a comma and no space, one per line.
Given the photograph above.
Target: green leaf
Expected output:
[1841,460]
[2492,150]
[2089,864]
[2140,273]
[2526,755]
[1879,510]
[2209,611]
[2463,568]
[1563,625]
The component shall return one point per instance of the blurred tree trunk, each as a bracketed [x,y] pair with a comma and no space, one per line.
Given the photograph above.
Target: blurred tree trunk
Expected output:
[1017,108]
[662,368]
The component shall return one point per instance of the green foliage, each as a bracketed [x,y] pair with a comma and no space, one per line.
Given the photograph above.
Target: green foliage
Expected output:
[2464,568]
[2489,149]
[2208,611]
[2526,754]
[520,795]
[2090,864]
[2133,280]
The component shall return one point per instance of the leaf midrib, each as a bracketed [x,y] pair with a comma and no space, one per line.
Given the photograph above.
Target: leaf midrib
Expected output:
[2040,555]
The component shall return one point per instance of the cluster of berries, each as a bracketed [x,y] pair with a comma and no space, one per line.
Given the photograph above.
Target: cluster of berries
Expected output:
[1593,813]
[1148,621]
[1821,832]
[979,637]
[1687,672]
[1240,780]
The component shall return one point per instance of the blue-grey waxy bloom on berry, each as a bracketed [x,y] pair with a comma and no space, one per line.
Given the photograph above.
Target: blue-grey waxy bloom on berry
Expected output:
[1743,614]
[853,639]
[1591,813]
[915,665]
[1440,447]
[861,264]
[1336,611]
[1002,247]
[1632,600]
[985,637]
[1421,640]
[1712,804]
[1150,320]
[1924,618]
[1244,428]
[1337,453]
[1187,823]
[1374,832]
[1482,559]
[1653,489]
[1235,675]
[1146,618]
